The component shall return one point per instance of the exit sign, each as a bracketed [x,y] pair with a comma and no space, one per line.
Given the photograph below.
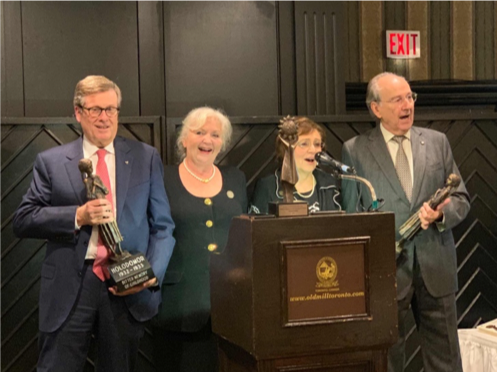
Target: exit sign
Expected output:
[403,44]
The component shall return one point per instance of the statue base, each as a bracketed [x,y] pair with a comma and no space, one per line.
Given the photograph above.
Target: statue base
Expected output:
[130,271]
[281,209]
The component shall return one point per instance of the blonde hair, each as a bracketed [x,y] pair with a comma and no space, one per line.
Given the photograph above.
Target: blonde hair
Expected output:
[94,84]
[195,119]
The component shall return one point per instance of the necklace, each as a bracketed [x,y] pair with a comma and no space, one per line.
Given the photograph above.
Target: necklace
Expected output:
[312,191]
[204,180]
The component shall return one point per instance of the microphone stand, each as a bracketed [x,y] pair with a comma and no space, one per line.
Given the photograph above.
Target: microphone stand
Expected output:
[376,203]
[338,170]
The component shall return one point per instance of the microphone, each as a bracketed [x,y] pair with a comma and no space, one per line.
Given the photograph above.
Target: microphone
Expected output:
[325,159]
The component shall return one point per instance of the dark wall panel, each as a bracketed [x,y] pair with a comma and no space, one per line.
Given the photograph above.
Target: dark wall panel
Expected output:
[320,61]
[2,60]
[484,40]
[394,19]
[352,47]
[12,74]
[221,54]
[440,39]
[65,41]
[151,58]
[286,58]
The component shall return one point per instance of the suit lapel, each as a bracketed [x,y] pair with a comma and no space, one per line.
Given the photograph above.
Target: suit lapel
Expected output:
[124,164]
[380,152]
[419,162]
[74,155]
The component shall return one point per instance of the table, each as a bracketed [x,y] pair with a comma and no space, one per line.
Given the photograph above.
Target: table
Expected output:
[478,351]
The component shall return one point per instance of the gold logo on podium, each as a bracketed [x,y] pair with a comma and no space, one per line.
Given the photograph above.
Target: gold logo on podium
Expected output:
[326,272]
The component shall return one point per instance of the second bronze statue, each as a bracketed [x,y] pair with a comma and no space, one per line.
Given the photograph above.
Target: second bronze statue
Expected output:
[413,225]
[127,270]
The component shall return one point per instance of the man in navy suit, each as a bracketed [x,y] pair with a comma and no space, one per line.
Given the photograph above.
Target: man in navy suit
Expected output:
[406,165]
[74,300]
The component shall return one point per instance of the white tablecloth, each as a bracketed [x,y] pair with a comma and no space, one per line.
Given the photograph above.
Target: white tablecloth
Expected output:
[478,351]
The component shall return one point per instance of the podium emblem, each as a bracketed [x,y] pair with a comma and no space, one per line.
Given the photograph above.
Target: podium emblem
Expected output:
[326,272]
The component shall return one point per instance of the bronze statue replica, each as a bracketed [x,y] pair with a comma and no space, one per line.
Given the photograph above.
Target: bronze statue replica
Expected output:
[289,177]
[127,270]
[95,189]
[412,226]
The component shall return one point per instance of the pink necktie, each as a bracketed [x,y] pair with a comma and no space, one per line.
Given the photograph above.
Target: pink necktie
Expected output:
[100,264]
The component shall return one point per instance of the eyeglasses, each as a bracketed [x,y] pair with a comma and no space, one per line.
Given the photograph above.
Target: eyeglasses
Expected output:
[411,98]
[306,144]
[95,111]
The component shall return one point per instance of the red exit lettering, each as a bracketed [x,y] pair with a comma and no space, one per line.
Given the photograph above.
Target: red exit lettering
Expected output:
[403,44]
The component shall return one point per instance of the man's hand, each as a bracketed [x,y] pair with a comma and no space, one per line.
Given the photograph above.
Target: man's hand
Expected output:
[427,215]
[133,290]
[94,212]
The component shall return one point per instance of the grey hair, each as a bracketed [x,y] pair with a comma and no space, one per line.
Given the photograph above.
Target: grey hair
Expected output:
[195,119]
[94,84]
[373,92]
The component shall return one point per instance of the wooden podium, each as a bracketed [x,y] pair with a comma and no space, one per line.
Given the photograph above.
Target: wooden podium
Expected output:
[312,293]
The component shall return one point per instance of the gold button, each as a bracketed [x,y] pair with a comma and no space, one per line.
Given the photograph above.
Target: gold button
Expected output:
[212,247]
[209,223]
[208,201]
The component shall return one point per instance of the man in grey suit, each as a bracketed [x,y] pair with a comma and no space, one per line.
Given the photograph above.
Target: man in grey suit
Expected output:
[406,165]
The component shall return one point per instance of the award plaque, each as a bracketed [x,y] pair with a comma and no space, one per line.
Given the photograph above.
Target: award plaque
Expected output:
[292,209]
[125,270]
[129,270]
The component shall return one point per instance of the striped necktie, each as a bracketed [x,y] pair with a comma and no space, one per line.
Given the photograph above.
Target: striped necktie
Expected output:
[402,167]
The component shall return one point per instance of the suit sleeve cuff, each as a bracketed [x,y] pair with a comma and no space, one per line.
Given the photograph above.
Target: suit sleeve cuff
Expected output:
[441,224]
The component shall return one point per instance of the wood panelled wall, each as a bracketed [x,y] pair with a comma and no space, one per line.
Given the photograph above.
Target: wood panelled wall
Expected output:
[48,46]
[458,39]
[250,58]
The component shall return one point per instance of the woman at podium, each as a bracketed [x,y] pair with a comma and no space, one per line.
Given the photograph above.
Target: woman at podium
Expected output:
[203,198]
[319,189]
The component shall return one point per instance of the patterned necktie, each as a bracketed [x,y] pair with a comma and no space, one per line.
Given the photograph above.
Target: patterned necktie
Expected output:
[402,167]
[99,266]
